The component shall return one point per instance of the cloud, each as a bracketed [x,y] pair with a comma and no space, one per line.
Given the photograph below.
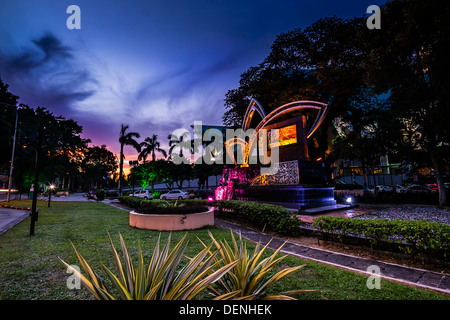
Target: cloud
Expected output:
[48,74]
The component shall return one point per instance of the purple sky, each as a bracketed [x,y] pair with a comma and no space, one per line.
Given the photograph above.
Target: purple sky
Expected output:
[154,65]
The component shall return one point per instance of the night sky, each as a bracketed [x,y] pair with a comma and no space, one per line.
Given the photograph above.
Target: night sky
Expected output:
[154,65]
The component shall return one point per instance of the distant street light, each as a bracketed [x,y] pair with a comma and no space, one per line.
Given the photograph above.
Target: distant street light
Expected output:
[13,149]
[50,189]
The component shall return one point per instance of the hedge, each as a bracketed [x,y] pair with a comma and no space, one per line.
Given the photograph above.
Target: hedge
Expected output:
[413,237]
[266,216]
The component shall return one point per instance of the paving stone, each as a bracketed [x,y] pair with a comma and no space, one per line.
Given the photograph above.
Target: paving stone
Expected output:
[339,259]
[430,279]
[315,254]
[445,283]
[364,264]
[402,273]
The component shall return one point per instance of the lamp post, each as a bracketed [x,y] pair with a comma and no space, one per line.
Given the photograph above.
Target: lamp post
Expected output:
[132,164]
[50,189]
[13,149]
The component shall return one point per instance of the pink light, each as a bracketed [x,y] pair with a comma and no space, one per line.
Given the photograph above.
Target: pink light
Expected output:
[220,193]
[210,199]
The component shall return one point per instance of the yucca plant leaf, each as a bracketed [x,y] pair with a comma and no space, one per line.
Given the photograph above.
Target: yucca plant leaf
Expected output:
[208,280]
[278,297]
[123,291]
[278,276]
[118,264]
[130,277]
[227,296]
[152,294]
[91,275]
[84,281]
[92,283]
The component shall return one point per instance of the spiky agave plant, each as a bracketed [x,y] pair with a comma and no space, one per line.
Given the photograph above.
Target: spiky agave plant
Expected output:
[160,280]
[249,278]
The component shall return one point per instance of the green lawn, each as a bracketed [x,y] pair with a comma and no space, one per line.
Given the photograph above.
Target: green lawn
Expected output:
[29,268]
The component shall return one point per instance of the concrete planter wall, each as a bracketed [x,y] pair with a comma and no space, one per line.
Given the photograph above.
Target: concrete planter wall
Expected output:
[171,222]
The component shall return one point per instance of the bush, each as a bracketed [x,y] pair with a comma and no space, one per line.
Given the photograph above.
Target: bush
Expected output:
[132,202]
[156,195]
[100,195]
[413,237]
[268,216]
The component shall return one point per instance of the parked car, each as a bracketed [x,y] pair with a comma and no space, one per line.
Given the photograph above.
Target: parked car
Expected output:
[205,193]
[174,194]
[147,195]
[433,186]
[418,189]
[385,189]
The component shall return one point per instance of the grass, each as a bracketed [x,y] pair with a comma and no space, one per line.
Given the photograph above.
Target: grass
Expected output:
[29,268]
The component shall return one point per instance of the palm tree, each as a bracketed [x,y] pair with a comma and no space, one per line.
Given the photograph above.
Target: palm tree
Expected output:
[184,142]
[126,139]
[149,147]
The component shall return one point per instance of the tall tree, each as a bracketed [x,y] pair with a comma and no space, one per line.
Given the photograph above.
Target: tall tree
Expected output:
[126,139]
[97,163]
[149,147]
[408,58]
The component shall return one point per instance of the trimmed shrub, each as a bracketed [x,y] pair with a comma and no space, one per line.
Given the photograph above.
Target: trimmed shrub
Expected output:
[100,195]
[179,209]
[412,237]
[268,216]
[132,202]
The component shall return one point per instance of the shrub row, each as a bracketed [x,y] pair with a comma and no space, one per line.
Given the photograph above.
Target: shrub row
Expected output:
[132,202]
[267,216]
[270,217]
[412,237]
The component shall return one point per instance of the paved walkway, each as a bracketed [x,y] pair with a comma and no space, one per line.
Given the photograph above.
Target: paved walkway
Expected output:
[346,213]
[11,217]
[412,276]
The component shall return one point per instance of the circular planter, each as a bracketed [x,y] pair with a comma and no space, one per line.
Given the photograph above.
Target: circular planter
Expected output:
[172,222]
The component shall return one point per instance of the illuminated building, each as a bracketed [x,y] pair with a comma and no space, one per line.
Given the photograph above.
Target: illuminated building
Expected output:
[294,180]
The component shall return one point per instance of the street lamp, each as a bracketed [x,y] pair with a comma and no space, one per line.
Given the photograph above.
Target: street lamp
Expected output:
[50,189]
[13,149]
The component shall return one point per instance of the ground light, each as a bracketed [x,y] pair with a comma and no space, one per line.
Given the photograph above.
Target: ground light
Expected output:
[349,200]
